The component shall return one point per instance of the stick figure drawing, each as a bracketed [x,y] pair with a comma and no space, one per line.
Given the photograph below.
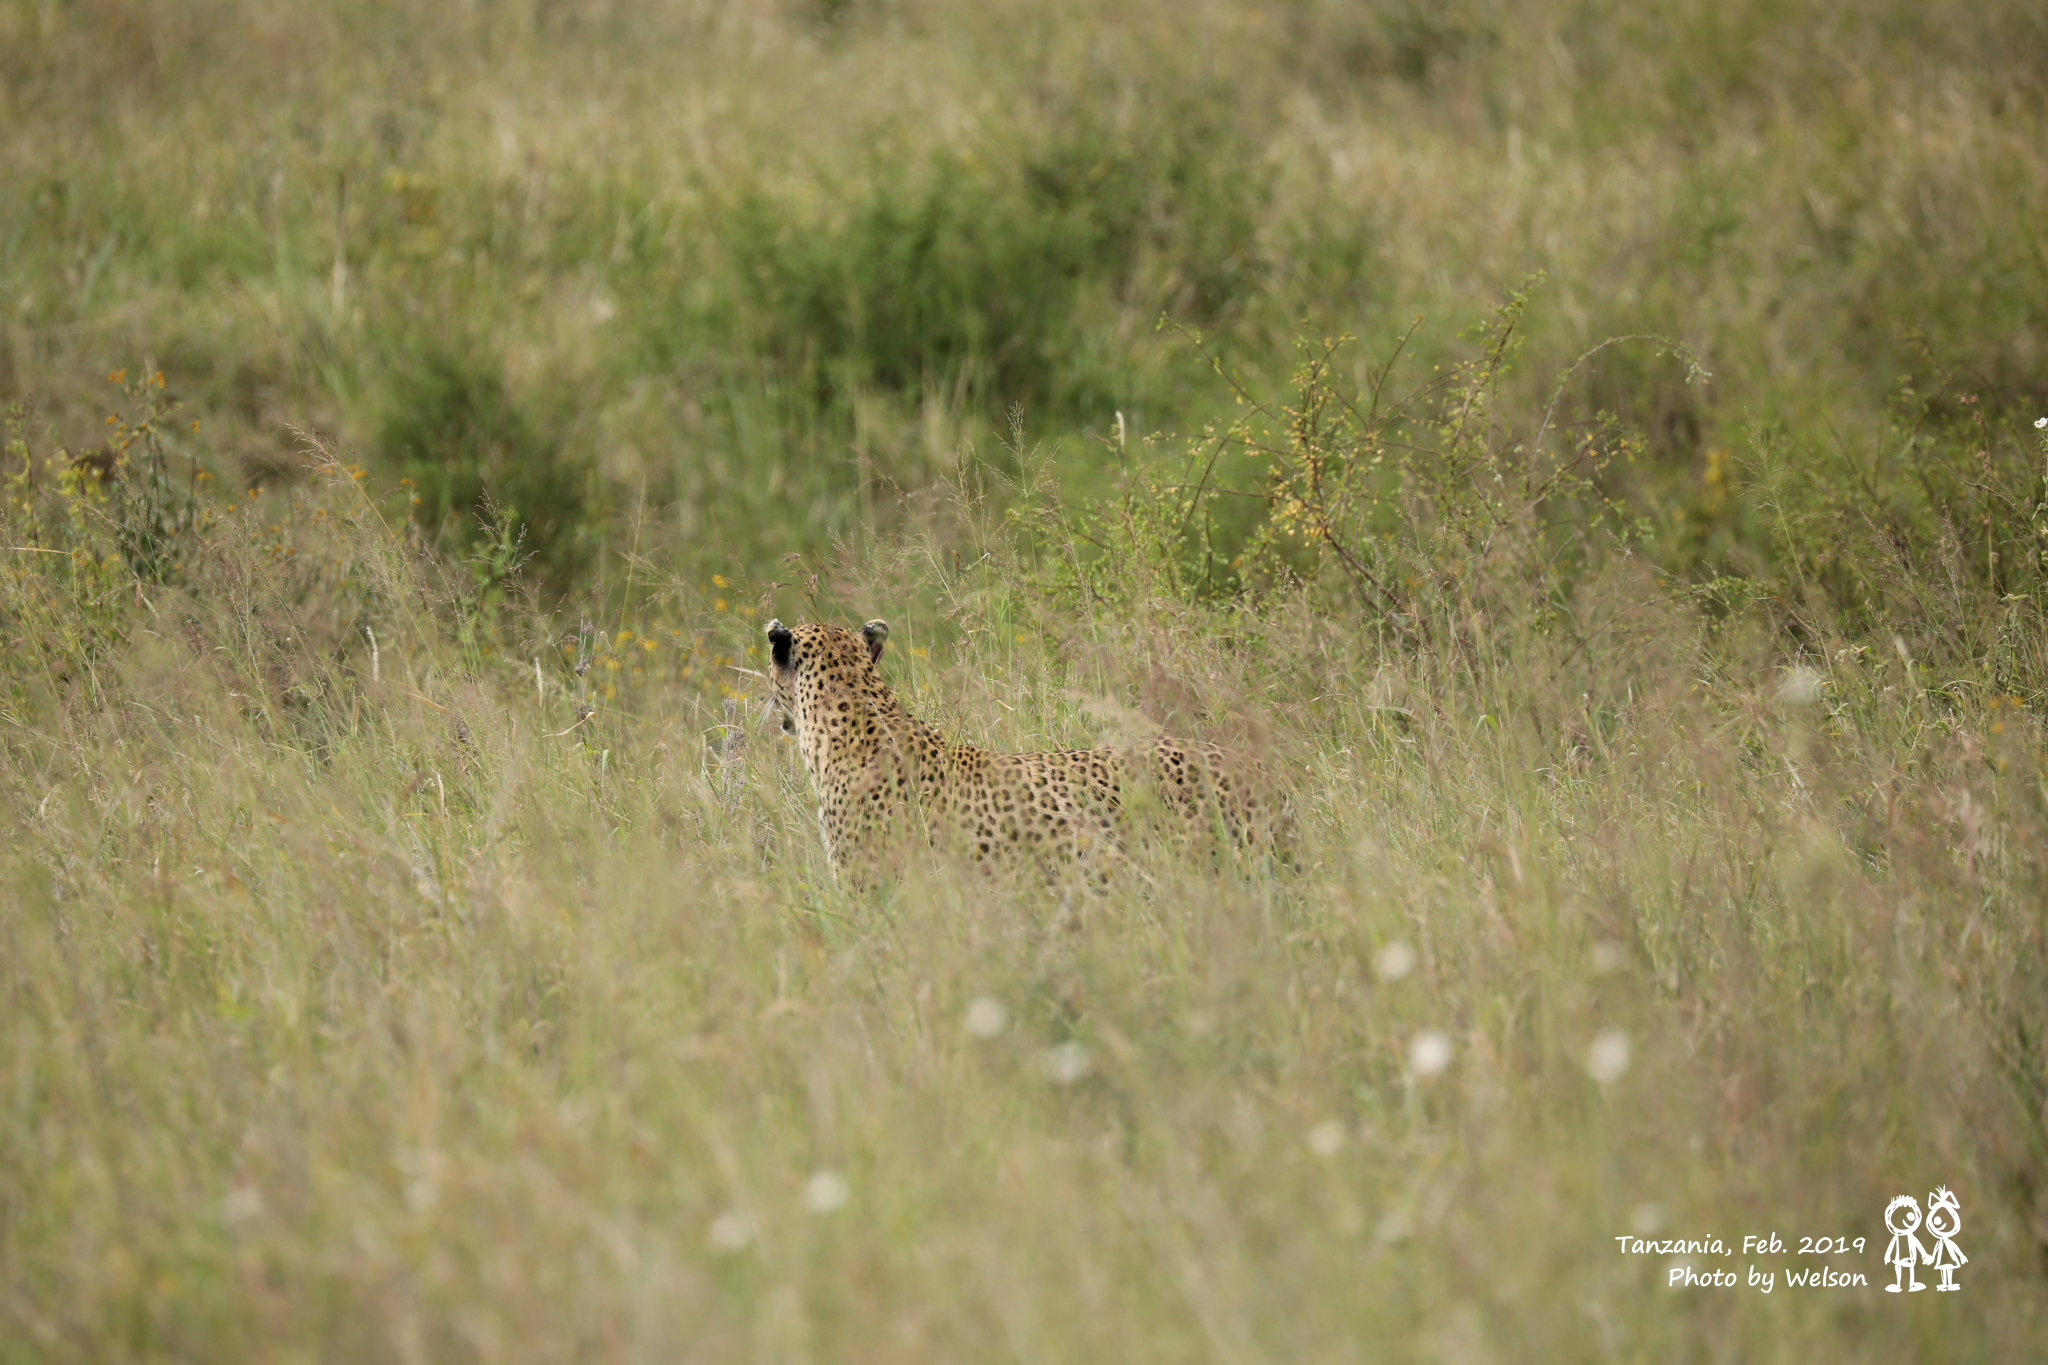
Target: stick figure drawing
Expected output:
[1901,1219]
[1944,1221]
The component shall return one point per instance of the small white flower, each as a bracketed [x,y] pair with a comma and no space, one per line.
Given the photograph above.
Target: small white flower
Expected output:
[1326,1138]
[2040,422]
[826,1192]
[1429,1053]
[1799,686]
[732,1230]
[986,1016]
[1067,1063]
[1395,961]
[242,1203]
[1607,1059]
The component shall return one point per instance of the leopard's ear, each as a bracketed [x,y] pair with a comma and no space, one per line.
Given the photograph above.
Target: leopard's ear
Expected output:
[876,633]
[778,643]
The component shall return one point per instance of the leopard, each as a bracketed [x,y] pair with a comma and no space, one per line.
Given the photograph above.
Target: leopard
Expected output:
[881,775]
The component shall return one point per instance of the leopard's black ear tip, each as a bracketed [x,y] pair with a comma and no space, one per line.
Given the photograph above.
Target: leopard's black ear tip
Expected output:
[876,633]
[778,643]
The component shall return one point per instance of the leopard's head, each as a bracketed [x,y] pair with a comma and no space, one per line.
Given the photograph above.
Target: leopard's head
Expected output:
[822,681]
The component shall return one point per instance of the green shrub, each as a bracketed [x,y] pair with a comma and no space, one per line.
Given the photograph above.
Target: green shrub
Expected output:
[1408,501]
[980,271]
[473,452]
[1415,501]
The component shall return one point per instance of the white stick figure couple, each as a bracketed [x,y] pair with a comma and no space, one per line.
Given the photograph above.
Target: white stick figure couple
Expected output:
[1944,1221]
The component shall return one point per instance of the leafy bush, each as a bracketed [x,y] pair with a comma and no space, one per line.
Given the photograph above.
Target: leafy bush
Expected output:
[977,271]
[1404,503]
[473,454]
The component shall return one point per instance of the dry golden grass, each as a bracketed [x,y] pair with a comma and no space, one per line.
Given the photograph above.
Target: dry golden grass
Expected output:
[356,1010]
[403,960]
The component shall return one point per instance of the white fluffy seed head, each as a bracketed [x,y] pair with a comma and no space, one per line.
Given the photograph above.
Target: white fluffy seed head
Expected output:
[1429,1053]
[731,1231]
[826,1192]
[986,1016]
[1800,686]
[1067,1063]
[1607,1058]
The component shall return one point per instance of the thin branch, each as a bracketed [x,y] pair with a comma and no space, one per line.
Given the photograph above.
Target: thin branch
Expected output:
[1536,447]
[1387,370]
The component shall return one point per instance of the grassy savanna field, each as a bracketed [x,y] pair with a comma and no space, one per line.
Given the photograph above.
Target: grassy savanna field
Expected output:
[415,944]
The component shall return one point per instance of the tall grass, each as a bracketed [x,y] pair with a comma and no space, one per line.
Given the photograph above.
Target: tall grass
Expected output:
[396,971]
[762,263]
[413,945]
